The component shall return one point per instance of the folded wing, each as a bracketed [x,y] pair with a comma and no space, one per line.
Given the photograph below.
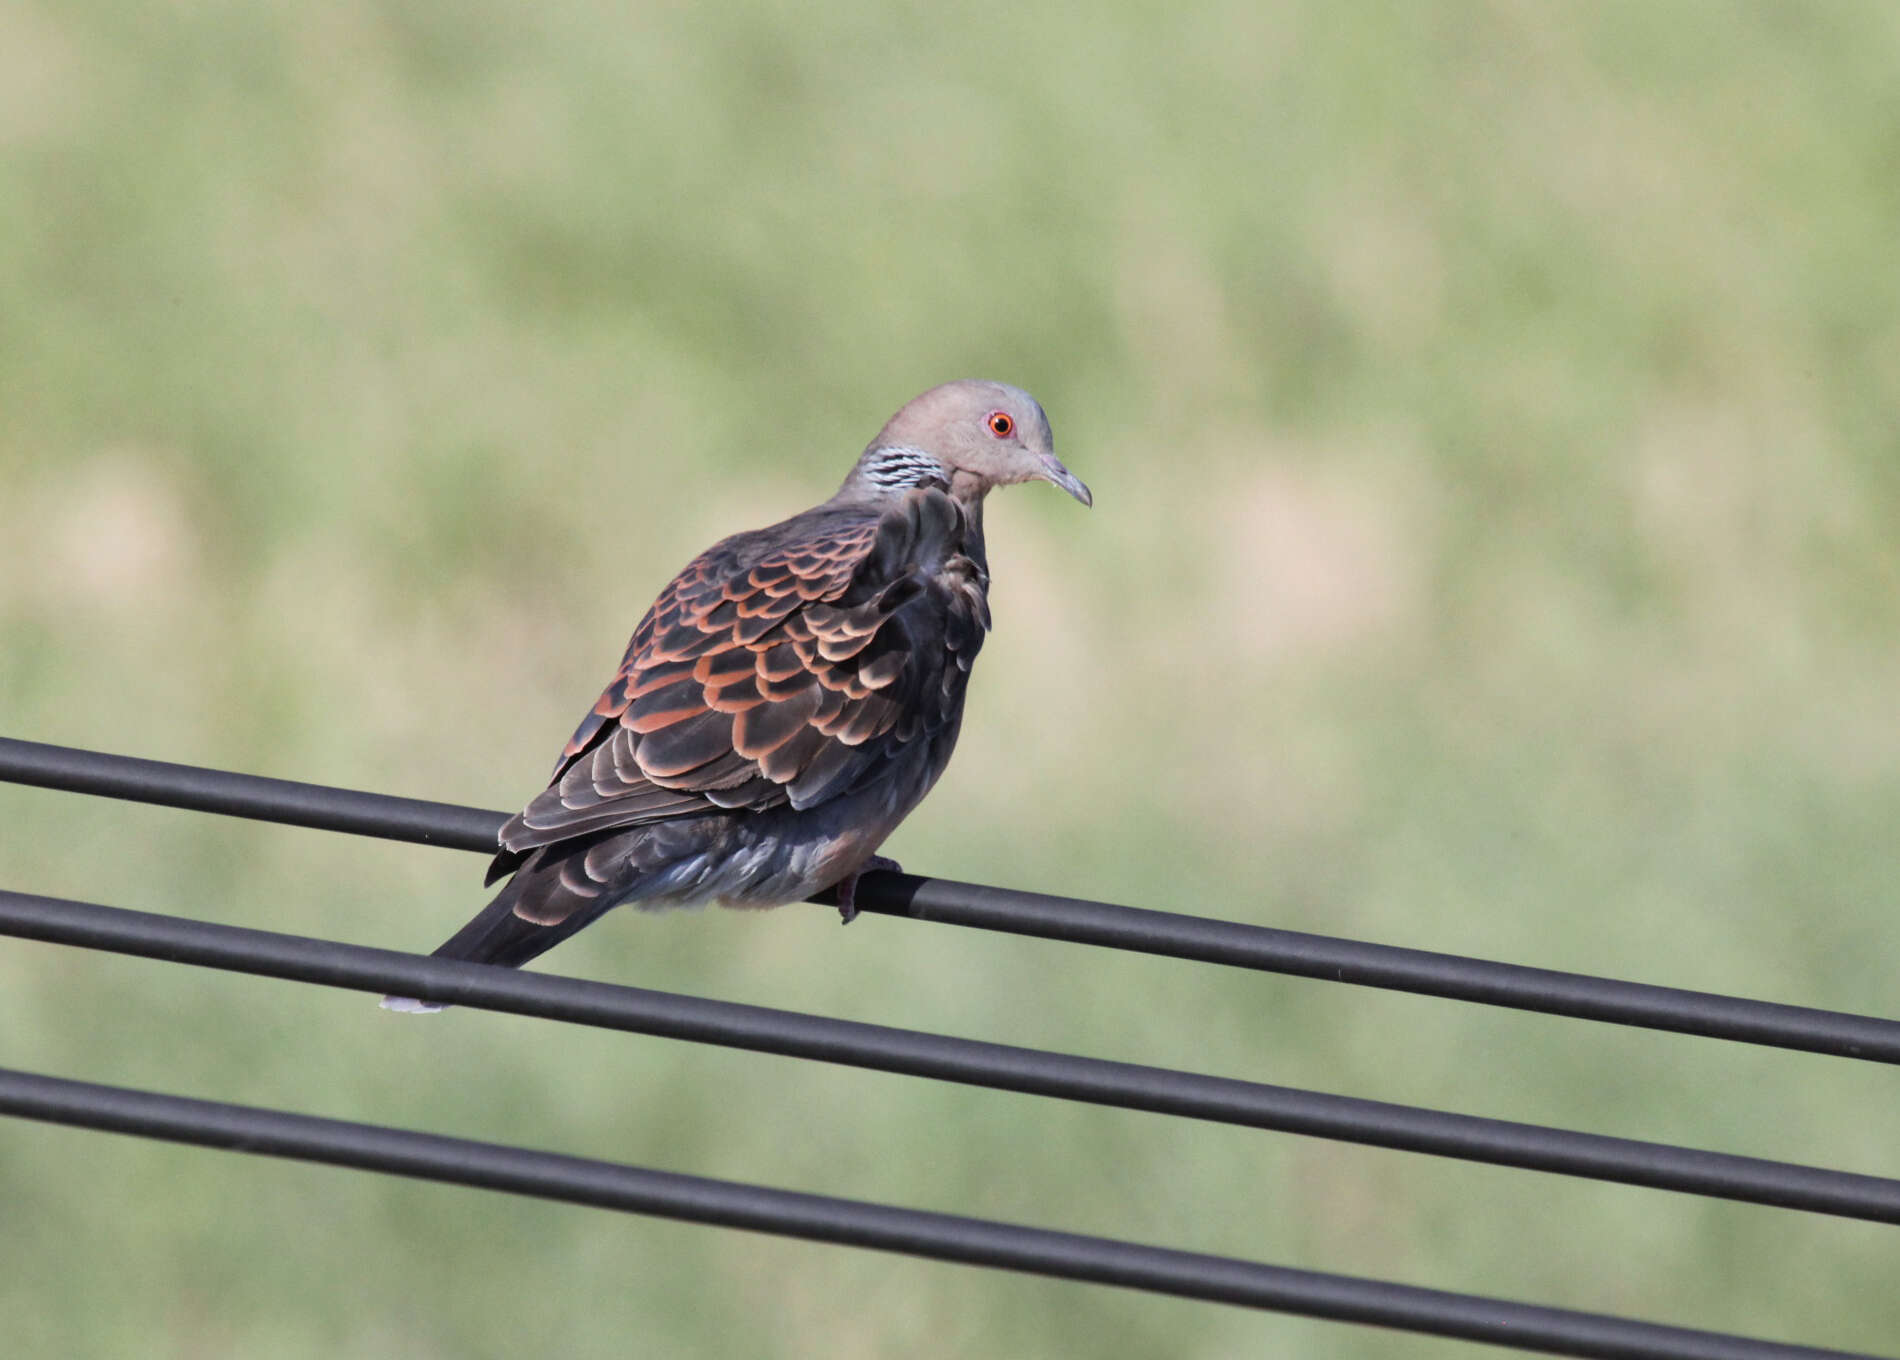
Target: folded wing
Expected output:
[787,666]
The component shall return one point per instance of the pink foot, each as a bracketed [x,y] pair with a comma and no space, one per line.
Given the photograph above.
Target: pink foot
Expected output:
[848,886]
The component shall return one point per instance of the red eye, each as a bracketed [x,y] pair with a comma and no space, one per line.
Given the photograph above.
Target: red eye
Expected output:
[1000,424]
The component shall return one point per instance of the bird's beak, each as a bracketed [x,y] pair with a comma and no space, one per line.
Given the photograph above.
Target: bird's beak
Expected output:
[1055,474]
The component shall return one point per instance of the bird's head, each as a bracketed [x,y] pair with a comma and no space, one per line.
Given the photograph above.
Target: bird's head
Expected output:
[970,436]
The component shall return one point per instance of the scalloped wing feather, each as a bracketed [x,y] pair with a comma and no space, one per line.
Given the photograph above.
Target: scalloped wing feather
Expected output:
[784,666]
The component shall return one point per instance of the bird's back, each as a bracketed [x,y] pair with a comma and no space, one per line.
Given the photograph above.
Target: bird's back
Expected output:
[789,697]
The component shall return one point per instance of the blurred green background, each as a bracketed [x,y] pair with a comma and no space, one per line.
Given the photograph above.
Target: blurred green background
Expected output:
[1494,416]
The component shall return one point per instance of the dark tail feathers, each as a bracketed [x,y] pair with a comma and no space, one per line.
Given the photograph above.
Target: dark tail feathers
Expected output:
[500,937]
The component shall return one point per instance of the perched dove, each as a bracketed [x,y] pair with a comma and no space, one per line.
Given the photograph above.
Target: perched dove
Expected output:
[788,699]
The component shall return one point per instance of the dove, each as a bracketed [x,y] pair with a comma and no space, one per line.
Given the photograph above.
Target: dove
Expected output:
[789,698]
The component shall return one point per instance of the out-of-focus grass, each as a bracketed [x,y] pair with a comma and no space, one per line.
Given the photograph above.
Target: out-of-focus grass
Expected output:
[1492,410]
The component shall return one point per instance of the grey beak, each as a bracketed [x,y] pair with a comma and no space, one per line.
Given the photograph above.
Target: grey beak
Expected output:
[1056,475]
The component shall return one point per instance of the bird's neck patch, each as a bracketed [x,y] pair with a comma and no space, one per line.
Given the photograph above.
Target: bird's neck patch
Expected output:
[899,467]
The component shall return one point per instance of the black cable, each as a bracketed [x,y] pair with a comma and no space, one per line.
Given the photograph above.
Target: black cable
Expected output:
[972,1062]
[1201,939]
[912,1232]
[248,795]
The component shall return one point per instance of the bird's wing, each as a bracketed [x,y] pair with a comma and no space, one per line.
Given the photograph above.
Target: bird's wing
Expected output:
[781,667]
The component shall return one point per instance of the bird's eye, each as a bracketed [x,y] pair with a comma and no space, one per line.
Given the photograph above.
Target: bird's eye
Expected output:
[1001,425]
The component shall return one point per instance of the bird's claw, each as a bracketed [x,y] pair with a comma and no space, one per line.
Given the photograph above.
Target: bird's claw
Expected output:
[848,886]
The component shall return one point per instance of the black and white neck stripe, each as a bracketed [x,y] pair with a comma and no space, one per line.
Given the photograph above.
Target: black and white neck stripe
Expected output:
[899,468]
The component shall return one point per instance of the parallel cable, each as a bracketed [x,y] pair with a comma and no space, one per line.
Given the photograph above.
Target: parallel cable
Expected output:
[248,795]
[1230,943]
[971,1062]
[936,1236]
[912,1232]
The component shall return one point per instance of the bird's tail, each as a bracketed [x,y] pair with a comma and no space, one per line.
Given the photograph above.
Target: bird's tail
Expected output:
[498,936]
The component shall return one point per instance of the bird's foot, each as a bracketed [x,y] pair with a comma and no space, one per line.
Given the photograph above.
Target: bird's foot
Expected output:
[848,887]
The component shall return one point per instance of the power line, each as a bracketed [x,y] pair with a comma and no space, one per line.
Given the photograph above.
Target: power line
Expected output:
[248,795]
[972,1062]
[911,1232]
[1073,920]
[1006,1067]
